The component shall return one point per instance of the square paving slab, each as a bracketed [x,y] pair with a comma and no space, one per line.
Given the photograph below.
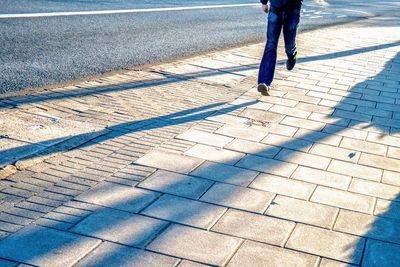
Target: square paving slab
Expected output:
[118,196]
[43,246]
[121,227]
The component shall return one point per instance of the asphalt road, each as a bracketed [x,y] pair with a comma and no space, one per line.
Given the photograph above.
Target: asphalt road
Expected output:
[47,50]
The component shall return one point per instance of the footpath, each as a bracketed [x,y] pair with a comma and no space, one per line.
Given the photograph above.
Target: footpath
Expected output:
[185,164]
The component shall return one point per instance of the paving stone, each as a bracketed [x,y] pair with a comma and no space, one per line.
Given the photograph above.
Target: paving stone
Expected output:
[255,148]
[255,227]
[6,263]
[47,247]
[384,229]
[303,158]
[335,152]
[272,166]
[332,263]
[120,227]
[379,253]
[346,131]
[242,132]
[303,123]
[55,224]
[109,254]
[375,189]
[343,199]
[277,128]
[390,177]
[318,137]
[169,161]
[118,196]
[322,177]
[205,138]
[176,184]
[194,244]
[388,209]
[302,211]
[334,245]
[384,139]
[257,254]
[238,197]
[295,112]
[225,173]
[352,169]
[394,152]
[380,162]
[363,146]
[214,154]
[9,227]
[283,186]
[288,142]
[261,115]
[228,119]
[186,263]
[185,211]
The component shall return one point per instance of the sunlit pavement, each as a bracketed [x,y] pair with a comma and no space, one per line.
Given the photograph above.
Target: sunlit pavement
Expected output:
[186,164]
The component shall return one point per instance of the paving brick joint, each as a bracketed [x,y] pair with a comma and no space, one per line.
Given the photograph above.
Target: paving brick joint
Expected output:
[185,164]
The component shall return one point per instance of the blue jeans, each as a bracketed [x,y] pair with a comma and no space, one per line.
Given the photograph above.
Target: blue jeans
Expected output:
[288,19]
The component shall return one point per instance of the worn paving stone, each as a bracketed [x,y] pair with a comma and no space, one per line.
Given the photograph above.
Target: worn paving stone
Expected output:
[302,211]
[225,173]
[169,161]
[242,132]
[110,254]
[258,254]
[343,199]
[375,189]
[271,166]
[351,169]
[238,197]
[205,138]
[334,245]
[120,227]
[254,148]
[47,247]
[388,209]
[194,244]
[214,154]
[118,196]
[303,158]
[283,186]
[287,142]
[176,184]
[322,177]
[255,227]
[378,253]
[384,229]
[185,211]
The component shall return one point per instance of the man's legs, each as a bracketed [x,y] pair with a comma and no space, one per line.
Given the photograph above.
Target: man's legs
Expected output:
[290,23]
[268,62]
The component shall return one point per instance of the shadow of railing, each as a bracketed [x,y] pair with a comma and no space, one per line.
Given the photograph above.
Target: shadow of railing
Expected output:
[341,117]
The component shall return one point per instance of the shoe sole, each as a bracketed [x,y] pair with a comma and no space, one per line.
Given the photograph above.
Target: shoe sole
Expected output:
[263,90]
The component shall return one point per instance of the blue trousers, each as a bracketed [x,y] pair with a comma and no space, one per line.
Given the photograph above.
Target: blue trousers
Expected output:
[288,19]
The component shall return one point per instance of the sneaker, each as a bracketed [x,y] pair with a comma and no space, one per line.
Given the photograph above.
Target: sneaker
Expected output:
[291,62]
[263,89]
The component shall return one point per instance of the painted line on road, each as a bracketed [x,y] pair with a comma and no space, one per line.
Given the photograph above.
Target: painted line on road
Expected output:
[120,11]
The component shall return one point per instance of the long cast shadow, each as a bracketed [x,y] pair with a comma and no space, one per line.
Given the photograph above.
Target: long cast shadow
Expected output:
[170,78]
[352,101]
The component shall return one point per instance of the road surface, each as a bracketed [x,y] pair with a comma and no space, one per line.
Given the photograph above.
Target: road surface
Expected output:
[48,42]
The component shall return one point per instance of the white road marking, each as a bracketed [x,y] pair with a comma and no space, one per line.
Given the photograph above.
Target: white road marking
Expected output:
[120,11]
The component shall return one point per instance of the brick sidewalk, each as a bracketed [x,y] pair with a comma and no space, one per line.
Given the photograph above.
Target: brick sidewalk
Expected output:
[184,164]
